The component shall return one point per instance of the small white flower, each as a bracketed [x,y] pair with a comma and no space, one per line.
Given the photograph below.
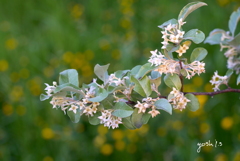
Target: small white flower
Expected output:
[73,108]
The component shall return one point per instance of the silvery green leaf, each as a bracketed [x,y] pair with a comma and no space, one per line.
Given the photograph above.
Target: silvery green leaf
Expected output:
[173,80]
[194,104]
[121,109]
[195,35]
[190,7]
[234,18]
[198,54]
[163,104]
[101,72]
[144,70]
[143,86]
[165,24]
[69,76]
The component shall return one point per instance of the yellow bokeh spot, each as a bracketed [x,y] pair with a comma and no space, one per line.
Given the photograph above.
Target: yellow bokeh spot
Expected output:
[24,73]
[131,135]
[89,54]
[68,56]
[221,157]
[11,44]
[116,54]
[189,88]
[207,149]
[223,2]
[48,158]
[227,123]
[120,145]
[161,131]
[197,81]
[99,140]
[104,44]
[131,148]
[204,128]
[202,99]
[125,23]
[87,70]
[208,87]
[21,110]
[77,11]
[117,134]
[102,130]
[14,77]
[199,159]
[3,65]
[34,86]
[47,133]
[16,93]
[177,125]
[143,130]
[106,149]
[7,109]
[48,71]
[237,156]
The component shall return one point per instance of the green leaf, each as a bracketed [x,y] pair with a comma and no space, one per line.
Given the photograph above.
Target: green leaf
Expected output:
[229,73]
[69,76]
[198,54]
[44,97]
[194,104]
[121,73]
[163,104]
[101,95]
[214,37]
[112,89]
[232,23]
[137,119]
[101,72]
[107,103]
[155,78]
[146,68]
[183,72]
[67,87]
[195,35]
[127,122]
[143,86]
[190,7]
[121,109]
[238,79]
[171,48]
[167,54]
[173,80]
[236,42]
[165,24]
[94,120]
[145,118]
[135,70]
[75,117]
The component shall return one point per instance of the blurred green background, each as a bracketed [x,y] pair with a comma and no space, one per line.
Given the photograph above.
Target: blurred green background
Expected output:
[39,39]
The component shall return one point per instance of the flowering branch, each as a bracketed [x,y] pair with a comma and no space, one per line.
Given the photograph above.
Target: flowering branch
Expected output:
[215,93]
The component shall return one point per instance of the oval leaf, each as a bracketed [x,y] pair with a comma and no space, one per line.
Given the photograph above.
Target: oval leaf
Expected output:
[144,70]
[67,87]
[198,54]
[143,86]
[190,7]
[75,117]
[194,104]
[128,123]
[136,119]
[165,24]
[94,120]
[195,35]
[101,72]
[163,104]
[121,109]
[44,97]
[234,18]
[101,95]
[173,81]
[69,76]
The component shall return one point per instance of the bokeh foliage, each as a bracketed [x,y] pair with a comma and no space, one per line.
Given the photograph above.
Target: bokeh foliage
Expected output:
[39,39]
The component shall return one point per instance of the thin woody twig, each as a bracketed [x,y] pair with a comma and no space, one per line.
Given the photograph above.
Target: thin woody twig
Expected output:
[215,93]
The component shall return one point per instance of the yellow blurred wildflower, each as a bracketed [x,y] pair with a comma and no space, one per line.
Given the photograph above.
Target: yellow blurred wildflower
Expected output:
[48,158]
[11,44]
[24,73]
[47,133]
[161,131]
[3,65]
[177,125]
[102,130]
[106,149]
[197,81]
[208,87]
[117,134]
[16,93]
[204,128]
[7,109]
[237,156]
[77,11]
[116,54]
[221,157]
[125,23]
[48,71]
[227,123]
[99,140]
[223,2]
[120,145]
[89,54]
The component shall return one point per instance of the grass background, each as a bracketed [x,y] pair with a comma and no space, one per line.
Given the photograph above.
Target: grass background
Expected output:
[39,39]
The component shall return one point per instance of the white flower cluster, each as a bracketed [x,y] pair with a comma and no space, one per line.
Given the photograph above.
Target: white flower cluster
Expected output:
[183,49]
[232,53]
[109,120]
[147,103]
[218,80]
[172,33]
[171,66]
[49,89]
[113,79]
[178,100]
